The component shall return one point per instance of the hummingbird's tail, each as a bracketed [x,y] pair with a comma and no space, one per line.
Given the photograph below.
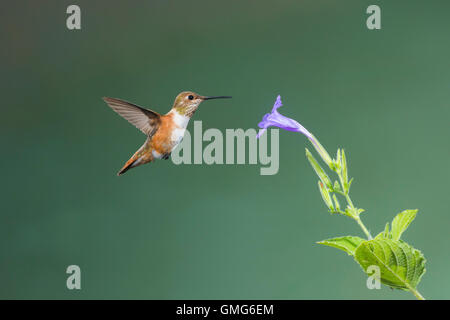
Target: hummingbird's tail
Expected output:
[142,156]
[128,165]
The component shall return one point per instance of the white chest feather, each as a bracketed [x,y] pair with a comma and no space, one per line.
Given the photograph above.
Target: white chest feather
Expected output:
[180,120]
[177,135]
[181,123]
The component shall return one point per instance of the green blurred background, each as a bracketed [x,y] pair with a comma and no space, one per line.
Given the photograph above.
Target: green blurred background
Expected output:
[223,231]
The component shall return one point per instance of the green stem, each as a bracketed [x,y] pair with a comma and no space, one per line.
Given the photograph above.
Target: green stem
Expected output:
[363,227]
[357,218]
[349,201]
[416,293]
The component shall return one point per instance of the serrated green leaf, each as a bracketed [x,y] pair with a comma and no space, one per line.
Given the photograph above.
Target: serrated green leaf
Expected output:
[401,222]
[401,266]
[318,169]
[347,244]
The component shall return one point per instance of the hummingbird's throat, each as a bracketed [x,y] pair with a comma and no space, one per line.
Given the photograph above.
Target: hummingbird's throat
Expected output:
[187,110]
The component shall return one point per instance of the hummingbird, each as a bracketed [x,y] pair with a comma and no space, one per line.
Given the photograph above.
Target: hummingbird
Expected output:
[164,132]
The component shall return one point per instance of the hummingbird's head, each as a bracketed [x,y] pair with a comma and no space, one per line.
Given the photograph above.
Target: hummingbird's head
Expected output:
[187,102]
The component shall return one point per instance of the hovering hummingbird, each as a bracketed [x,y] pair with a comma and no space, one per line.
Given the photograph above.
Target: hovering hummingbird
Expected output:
[164,132]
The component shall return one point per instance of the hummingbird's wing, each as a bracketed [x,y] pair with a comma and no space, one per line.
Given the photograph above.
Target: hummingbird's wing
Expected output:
[145,120]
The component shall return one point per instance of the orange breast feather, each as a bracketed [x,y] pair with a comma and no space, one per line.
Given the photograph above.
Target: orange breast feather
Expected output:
[161,141]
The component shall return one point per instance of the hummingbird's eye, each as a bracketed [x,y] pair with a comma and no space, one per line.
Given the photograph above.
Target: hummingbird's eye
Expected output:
[191,97]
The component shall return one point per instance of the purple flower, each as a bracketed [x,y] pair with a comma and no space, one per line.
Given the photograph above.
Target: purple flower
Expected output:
[275,119]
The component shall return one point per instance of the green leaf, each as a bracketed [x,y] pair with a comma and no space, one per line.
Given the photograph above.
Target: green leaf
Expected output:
[353,212]
[336,203]
[338,159]
[384,234]
[401,266]
[336,187]
[318,169]
[326,196]
[347,244]
[349,185]
[401,222]
[344,171]
[386,230]
[350,212]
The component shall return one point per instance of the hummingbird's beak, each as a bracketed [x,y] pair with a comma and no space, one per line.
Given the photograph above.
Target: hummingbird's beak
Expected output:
[217,97]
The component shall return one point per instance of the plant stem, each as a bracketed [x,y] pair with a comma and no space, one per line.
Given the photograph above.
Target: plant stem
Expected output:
[357,218]
[349,201]
[416,293]
[363,227]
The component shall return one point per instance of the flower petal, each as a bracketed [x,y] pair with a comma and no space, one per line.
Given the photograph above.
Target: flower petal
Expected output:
[277,104]
[276,119]
[261,131]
